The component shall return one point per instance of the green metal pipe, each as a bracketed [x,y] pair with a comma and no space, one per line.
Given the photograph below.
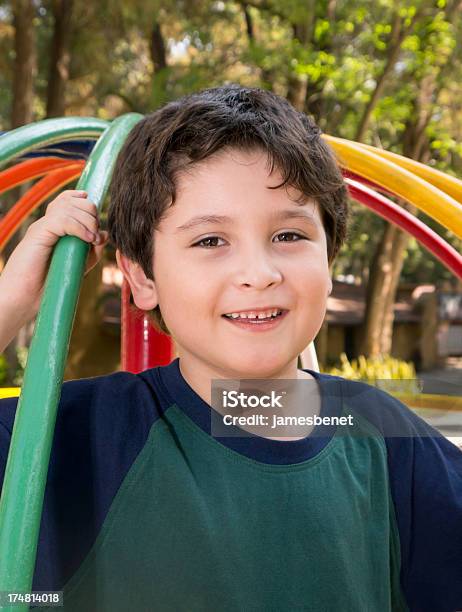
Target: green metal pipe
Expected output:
[42,133]
[27,466]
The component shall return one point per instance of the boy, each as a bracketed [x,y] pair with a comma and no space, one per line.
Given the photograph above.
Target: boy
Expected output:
[227,205]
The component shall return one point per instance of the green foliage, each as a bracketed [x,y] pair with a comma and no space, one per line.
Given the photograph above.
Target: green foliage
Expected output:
[21,355]
[3,369]
[338,49]
[385,372]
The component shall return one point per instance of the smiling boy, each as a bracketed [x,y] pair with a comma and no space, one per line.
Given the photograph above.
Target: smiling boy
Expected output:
[227,205]
[230,259]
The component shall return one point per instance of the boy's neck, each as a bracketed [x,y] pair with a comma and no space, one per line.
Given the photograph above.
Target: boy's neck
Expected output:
[199,377]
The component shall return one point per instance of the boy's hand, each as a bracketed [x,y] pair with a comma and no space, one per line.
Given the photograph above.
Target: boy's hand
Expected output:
[24,275]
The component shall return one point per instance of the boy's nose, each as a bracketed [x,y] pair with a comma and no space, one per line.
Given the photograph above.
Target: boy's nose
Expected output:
[258,270]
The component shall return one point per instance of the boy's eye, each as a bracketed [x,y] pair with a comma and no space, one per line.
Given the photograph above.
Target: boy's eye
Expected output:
[292,234]
[208,238]
[214,238]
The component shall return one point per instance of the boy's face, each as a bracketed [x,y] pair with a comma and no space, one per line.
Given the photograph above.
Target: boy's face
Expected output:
[251,261]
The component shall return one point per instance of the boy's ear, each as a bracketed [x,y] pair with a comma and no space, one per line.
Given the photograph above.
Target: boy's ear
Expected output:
[143,288]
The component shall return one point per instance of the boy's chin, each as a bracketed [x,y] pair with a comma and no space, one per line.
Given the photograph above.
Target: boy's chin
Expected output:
[256,366]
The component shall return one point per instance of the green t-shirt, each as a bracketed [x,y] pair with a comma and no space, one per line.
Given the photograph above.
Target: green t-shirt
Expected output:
[146,510]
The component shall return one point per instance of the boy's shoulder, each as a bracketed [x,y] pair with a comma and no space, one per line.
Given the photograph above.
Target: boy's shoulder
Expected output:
[388,414]
[425,479]
[102,425]
[115,396]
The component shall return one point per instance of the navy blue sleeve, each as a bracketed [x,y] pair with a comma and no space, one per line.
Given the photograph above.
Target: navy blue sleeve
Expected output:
[6,406]
[426,483]
[425,471]
[102,424]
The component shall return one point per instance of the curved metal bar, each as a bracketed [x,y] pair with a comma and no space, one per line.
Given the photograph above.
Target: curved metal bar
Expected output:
[69,149]
[34,196]
[27,465]
[450,184]
[436,203]
[394,213]
[30,137]
[28,170]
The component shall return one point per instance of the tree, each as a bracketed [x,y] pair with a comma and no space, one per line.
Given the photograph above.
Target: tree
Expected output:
[387,262]
[60,57]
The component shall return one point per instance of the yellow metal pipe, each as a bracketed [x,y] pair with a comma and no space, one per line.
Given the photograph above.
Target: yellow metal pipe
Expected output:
[419,192]
[450,184]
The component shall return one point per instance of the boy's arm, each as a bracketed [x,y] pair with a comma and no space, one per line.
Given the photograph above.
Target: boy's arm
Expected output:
[90,458]
[23,278]
[426,484]
[13,316]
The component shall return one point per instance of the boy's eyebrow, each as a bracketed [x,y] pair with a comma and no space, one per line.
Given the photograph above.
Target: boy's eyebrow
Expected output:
[216,219]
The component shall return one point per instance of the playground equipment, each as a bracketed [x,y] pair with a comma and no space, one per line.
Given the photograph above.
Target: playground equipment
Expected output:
[56,149]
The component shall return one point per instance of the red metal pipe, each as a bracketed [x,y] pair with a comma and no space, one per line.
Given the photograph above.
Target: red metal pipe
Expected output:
[364,181]
[142,346]
[406,221]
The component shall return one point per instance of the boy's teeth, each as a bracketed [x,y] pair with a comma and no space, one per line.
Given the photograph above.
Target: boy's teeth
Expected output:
[260,315]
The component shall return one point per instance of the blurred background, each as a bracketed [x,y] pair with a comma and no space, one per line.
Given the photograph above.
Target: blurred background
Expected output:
[385,73]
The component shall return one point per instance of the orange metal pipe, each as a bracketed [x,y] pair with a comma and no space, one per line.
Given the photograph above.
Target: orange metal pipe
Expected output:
[54,181]
[31,169]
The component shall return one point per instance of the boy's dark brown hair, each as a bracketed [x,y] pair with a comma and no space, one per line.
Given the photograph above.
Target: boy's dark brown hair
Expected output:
[195,127]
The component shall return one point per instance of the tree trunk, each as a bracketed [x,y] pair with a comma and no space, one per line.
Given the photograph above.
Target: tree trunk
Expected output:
[248,23]
[415,146]
[158,53]
[376,295]
[24,72]
[266,75]
[159,62]
[399,243]
[25,62]
[386,266]
[297,84]
[60,58]
[314,102]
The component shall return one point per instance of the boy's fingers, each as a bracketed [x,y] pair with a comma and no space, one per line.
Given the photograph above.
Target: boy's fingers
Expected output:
[101,238]
[99,249]
[77,193]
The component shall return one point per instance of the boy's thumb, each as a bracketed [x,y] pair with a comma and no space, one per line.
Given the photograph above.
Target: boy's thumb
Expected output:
[103,237]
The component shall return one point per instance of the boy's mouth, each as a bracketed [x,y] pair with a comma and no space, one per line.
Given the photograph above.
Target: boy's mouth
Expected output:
[267,319]
[257,312]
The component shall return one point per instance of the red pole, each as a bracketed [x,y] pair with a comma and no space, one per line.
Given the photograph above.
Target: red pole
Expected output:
[142,346]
